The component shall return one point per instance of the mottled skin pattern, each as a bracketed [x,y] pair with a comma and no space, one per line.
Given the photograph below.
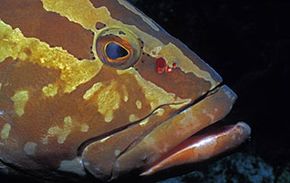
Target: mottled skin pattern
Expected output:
[66,106]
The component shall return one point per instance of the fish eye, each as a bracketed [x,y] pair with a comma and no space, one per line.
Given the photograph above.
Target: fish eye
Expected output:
[118,48]
[114,51]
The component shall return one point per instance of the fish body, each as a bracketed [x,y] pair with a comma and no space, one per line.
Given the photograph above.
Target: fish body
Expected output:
[96,87]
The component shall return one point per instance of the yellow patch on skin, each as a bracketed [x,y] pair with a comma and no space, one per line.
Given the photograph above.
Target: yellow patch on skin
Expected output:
[179,106]
[5,131]
[60,133]
[155,51]
[139,104]
[159,112]
[20,99]
[126,98]
[125,93]
[105,139]
[133,118]
[144,122]
[73,71]
[154,94]
[0,86]
[90,93]
[108,100]
[84,128]
[109,117]
[84,13]
[50,90]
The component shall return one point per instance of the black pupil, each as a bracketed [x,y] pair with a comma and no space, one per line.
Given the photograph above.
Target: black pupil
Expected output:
[115,51]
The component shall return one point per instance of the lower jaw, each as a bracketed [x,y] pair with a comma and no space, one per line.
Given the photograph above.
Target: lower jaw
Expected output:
[202,146]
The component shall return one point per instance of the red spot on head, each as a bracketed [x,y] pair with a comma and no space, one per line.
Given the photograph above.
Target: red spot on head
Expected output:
[161,66]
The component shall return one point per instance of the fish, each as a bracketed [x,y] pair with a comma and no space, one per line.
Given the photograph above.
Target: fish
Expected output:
[97,88]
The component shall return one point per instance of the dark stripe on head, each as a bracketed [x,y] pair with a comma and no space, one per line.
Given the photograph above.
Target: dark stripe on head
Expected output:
[121,13]
[34,21]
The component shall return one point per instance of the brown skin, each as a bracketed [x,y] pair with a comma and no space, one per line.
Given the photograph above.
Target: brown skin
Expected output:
[61,97]
[34,21]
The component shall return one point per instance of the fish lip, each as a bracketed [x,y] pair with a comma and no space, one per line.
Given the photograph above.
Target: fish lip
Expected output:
[211,132]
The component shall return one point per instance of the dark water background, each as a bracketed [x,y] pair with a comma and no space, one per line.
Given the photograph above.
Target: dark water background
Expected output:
[248,43]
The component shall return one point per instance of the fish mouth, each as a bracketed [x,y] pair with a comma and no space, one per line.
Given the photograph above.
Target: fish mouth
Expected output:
[205,143]
[208,142]
[174,141]
[199,147]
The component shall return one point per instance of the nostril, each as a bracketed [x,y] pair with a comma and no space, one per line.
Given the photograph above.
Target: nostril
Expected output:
[174,65]
[145,159]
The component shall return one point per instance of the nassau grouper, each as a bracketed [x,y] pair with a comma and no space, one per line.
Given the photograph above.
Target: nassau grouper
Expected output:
[96,88]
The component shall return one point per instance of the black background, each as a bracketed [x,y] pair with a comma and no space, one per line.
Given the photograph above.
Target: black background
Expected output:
[248,43]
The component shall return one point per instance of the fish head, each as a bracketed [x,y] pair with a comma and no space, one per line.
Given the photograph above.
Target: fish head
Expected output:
[97,86]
